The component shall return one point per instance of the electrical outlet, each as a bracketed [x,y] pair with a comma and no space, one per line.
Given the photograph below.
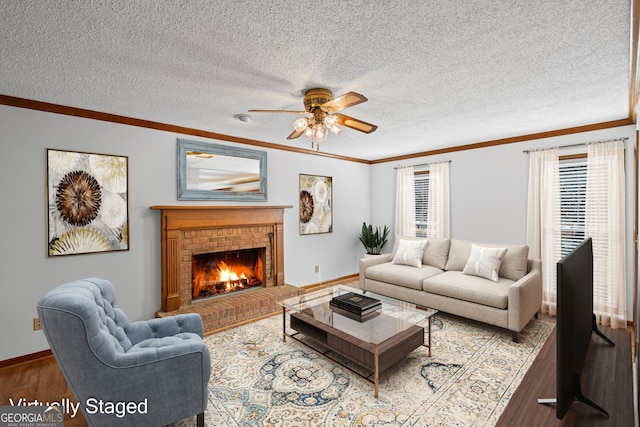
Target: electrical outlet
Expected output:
[317,269]
[36,324]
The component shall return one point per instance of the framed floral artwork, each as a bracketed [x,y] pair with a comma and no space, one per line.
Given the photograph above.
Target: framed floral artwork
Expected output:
[316,208]
[87,203]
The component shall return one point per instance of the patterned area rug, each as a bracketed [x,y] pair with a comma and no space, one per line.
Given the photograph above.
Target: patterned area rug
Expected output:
[259,380]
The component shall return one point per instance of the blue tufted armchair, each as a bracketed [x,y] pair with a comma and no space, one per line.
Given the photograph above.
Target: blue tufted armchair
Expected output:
[146,373]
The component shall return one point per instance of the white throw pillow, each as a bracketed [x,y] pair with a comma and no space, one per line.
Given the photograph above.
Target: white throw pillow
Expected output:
[484,262]
[410,252]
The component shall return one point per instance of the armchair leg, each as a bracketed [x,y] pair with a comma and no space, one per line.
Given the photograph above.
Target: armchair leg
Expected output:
[200,419]
[514,336]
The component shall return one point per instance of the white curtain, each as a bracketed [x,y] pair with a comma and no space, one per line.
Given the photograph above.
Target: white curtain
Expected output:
[605,224]
[438,205]
[405,202]
[543,220]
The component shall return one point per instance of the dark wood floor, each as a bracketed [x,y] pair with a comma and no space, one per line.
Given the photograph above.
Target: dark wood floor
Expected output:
[607,380]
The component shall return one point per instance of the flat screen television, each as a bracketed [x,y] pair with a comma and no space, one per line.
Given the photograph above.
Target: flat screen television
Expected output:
[575,325]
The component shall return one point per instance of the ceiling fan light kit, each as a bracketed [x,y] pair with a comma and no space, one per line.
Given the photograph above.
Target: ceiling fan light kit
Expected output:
[322,117]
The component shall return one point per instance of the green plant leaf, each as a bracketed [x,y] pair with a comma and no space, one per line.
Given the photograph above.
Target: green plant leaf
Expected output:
[372,239]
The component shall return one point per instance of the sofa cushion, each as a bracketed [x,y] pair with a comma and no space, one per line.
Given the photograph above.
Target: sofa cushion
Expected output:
[458,255]
[410,252]
[514,263]
[401,275]
[435,254]
[484,262]
[456,284]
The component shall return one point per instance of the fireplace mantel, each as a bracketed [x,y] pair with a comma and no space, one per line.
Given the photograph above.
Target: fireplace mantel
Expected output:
[177,220]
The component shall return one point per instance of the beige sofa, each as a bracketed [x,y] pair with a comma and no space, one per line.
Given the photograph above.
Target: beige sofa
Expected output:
[491,283]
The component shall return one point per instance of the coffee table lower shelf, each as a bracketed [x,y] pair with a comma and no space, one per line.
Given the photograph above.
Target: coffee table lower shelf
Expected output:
[375,358]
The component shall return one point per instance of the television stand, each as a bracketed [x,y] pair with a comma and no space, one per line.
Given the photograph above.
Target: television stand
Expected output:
[578,397]
[600,334]
[577,390]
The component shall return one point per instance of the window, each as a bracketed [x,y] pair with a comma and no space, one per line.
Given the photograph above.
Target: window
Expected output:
[421,185]
[573,188]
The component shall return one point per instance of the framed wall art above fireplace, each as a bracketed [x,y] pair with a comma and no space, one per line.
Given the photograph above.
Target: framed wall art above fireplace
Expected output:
[219,172]
[87,200]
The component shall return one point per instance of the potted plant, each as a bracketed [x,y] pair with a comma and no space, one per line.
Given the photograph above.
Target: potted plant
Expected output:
[373,239]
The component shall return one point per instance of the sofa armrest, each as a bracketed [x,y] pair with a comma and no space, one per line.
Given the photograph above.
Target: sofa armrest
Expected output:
[525,297]
[370,261]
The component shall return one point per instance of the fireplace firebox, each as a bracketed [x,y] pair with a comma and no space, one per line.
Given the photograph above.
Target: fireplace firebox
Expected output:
[225,272]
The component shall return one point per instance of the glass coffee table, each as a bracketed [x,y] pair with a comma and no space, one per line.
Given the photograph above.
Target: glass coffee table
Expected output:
[389,334]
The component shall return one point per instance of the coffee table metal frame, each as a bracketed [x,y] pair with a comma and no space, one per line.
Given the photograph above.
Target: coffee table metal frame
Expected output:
[374,345]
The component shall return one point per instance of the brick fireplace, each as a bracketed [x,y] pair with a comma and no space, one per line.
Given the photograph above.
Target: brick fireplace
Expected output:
[188,231]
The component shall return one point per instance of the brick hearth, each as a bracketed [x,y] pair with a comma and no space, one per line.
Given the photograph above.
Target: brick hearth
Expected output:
[233,309]
[236,309]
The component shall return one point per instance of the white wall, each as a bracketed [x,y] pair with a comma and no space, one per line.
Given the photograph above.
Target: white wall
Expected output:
[26,272]
[489,190]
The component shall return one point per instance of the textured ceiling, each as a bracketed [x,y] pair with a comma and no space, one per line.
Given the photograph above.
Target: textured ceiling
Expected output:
[437,73]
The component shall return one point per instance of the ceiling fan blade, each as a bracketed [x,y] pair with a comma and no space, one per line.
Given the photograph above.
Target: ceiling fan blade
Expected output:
[295,134]
[278,111]
[356,124]
[344,101]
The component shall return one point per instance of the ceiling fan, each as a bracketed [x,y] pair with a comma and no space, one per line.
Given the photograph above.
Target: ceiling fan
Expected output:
[322,117]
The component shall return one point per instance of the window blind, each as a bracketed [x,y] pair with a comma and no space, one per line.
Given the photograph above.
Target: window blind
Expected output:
[421,185]
[573,186]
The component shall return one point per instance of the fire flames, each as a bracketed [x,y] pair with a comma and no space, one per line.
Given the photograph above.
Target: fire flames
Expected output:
[218,277]
[226,274]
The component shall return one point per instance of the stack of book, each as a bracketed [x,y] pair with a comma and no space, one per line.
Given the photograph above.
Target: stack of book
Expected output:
[356,306]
